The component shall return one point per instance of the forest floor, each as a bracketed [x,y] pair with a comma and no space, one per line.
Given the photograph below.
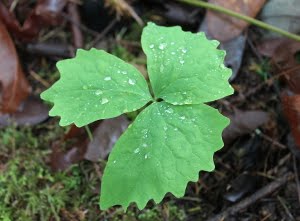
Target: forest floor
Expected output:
[44,175]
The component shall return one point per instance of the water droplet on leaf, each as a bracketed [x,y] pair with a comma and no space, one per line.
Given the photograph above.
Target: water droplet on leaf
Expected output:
[132,82]
[137,150]
[98,92]
[162,46]
[104,101]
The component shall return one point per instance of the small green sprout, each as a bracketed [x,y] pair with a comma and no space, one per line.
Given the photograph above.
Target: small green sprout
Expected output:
[174,137]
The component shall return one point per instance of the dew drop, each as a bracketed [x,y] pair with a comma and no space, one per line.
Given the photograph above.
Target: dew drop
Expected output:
[132,82]
[98,92]
[161,68]
[182,117]
[137,150]
[85,87]
[162,46]
[151,46]
[104,101]
[124,72]
[145,145]
[146,156]
[107,78]
[165,128]
[169,110]
[181,61]
[115,161]
[184,50]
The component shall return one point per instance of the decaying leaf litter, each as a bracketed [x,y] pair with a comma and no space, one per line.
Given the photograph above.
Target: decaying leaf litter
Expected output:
[261,142]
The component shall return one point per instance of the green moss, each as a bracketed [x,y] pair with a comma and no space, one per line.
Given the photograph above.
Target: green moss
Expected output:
[30,191]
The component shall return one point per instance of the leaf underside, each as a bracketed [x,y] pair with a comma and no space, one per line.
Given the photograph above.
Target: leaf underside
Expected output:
[160,152]
[95,85]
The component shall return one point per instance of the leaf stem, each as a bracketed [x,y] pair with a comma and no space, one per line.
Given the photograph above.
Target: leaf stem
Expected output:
[88,130]
[248,19]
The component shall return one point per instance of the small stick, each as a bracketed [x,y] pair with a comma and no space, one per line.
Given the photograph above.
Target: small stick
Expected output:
[102,34]
[39,78]
[264,191]
[76,31]
[246,18]
[296,176]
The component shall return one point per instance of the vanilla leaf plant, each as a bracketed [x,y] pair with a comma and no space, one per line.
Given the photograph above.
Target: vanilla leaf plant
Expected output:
[174,136]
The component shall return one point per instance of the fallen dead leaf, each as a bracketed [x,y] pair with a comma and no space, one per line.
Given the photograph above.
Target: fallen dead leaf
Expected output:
[234,49]
[243,122]
[291,107]
[283,53]
[223,27]
[105,134]
[180,14]
[31,112]
[104,138]
[14,86]
[45,13]
[282,14]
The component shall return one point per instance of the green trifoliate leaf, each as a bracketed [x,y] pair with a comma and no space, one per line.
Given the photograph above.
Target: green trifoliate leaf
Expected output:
[95,85]
[184,68]
[161,151]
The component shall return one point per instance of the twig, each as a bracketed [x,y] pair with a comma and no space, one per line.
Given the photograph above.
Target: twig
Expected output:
[248,19]
[264,191]
[296,176]
[79,25]
[51,49]
[76,31]
[102,34]
[39,79]
[269,81]
[281,162]
[286,209]
[269,139]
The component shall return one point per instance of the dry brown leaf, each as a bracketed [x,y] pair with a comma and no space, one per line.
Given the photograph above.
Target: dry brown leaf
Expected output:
[223,27]
[283,14]
[31,112]
[234,49]
[104,138]
[105,134]
[291,107]
[283,53]
[243,122]
[46,12]
[14,86]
